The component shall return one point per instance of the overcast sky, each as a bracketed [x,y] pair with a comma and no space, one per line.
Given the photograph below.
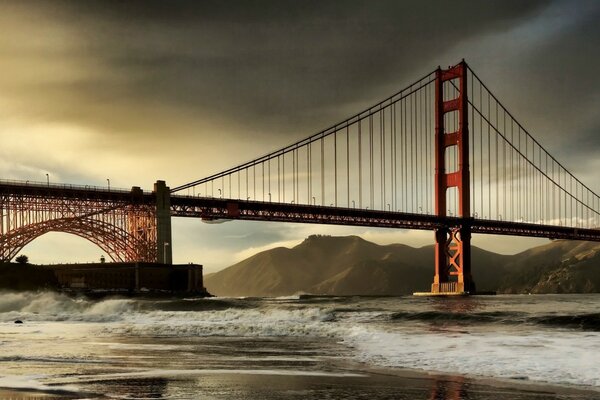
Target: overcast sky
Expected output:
[140,91]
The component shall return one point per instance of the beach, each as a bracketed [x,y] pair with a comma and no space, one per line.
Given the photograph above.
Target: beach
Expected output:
[502,347]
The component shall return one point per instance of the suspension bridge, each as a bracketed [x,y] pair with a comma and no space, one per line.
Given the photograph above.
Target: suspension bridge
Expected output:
[443,154]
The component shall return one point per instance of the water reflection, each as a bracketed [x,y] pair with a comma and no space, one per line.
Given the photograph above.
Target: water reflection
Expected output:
[458,305]
[144,388]
[449,389]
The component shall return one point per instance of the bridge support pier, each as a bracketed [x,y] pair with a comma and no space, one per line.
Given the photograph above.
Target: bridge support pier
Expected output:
[453,262]
[163,223]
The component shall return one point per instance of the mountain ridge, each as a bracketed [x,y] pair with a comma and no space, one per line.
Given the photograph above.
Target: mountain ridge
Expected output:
[350,265]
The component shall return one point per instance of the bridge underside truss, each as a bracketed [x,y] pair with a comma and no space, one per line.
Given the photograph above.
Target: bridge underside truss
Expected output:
[122,224]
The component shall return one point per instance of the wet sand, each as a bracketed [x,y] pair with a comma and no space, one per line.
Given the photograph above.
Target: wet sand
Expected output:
[351,381]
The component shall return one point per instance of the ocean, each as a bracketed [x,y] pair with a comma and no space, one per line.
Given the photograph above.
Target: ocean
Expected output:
[302,347]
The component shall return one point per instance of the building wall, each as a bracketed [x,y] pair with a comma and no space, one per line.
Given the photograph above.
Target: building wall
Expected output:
[132,277]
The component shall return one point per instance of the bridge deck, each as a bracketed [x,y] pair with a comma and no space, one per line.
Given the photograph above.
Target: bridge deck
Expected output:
[217,208]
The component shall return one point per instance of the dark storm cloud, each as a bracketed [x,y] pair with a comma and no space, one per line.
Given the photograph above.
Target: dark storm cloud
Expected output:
[268,67]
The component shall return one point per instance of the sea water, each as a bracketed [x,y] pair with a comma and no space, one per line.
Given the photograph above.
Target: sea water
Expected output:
[154,348]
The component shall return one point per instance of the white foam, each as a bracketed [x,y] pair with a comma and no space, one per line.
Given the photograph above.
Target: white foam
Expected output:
[293,297]
[51,306]
[229,323]
[559,357]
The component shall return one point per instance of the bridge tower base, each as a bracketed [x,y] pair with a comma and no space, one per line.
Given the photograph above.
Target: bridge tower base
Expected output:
[453,262]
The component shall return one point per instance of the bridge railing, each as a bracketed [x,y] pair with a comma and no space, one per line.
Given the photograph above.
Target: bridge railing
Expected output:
[38,184]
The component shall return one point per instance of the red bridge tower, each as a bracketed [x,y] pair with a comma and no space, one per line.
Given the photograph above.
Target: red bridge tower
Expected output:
[453,241]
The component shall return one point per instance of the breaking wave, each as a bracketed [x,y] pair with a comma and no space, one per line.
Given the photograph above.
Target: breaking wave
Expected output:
[232,322]
[585,321]
[51,306]
[579,321]
[546,356]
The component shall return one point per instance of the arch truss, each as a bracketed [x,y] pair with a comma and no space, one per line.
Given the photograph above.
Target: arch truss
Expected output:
[122,223]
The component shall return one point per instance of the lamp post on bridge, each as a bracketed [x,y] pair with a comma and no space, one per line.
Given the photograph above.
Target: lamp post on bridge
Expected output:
[108,183]
[48,179]
[166,244]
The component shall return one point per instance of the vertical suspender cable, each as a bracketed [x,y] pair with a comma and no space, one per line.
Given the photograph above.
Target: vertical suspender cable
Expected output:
[322,171]
[335,164]
[359,163]
[348,163]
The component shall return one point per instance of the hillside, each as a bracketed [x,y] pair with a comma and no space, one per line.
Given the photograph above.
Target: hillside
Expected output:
[353,266]
[558,267]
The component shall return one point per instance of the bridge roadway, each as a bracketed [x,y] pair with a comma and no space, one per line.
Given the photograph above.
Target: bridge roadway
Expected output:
[210,209]
[217,208]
